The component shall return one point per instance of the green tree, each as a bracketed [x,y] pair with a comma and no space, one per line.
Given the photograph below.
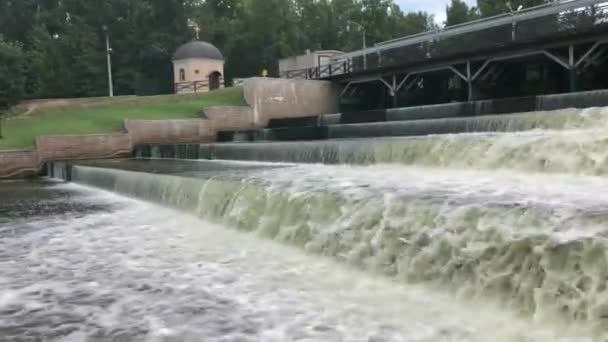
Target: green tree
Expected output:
[494,7]
[12,78]
[415,22]
[64,43]
[261,42]
[458,12]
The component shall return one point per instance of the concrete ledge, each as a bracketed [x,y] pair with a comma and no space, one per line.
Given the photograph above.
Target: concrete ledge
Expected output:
[586,99]
[73,147]
[292,100]
[99,146]
[18,164]
[169,131]
[230,118]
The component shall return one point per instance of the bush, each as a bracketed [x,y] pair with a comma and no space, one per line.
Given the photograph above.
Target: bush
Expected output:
[12,77]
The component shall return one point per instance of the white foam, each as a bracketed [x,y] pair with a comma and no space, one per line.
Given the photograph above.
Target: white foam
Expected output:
[122,274]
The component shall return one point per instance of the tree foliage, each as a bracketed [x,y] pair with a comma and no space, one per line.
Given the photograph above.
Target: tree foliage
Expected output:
[494,7]
[458,12]
[11,74]
[63,43]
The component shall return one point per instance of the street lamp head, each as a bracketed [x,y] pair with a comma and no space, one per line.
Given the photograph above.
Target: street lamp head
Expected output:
[105,28]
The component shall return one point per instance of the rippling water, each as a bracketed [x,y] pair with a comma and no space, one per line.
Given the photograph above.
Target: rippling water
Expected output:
[95,266]
[459,237]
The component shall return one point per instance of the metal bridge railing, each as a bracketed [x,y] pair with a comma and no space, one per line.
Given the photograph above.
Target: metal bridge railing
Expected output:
[551,22]
[323,71]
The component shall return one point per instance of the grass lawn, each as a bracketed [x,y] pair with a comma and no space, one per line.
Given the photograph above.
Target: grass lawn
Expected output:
[107,115]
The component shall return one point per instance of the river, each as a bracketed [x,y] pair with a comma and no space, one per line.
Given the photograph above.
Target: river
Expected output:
[408,247]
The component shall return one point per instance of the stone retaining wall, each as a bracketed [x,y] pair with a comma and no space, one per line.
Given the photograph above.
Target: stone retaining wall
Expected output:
[74,147]
[98,146]
[169,131]
[230,118]
[19,164]
[267,99]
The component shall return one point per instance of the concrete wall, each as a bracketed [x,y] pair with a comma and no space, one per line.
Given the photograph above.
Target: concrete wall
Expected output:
[274,98]
[169,131]
[98,146]
[596,98]
[224,119]
[72,147]
[18,164]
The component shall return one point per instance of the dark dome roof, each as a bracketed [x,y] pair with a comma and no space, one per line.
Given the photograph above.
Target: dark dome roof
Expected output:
[198,49]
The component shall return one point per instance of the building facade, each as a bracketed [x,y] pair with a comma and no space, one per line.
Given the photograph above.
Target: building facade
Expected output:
[198,67]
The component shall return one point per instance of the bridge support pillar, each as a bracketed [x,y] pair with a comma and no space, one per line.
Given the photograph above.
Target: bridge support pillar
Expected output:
[469,82]
[573,86]
[573,80]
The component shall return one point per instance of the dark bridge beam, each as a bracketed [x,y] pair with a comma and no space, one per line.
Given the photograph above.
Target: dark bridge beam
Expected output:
[475,26]
[470,76]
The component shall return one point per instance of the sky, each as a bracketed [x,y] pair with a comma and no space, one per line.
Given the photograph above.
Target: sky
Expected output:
[436,7]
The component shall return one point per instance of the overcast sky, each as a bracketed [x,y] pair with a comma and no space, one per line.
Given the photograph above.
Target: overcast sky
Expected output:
[436,7]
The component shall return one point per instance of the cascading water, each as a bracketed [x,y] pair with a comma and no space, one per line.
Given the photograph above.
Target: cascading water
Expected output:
[568,141]
[561,119]
[511,225]
[534,242]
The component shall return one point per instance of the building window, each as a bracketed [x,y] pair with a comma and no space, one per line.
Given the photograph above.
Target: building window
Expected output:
[182,75]
[196,72]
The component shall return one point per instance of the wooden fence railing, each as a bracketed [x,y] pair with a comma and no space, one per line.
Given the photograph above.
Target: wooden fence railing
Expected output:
[195,86]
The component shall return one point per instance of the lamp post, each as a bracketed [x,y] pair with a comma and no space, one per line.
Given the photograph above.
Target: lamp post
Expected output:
[109,61]
[362,28]
[514,24]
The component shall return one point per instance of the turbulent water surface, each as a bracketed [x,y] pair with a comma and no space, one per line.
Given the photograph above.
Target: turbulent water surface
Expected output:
[81,264]
[468,237]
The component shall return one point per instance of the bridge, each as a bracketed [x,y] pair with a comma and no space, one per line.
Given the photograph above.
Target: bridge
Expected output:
[554,48]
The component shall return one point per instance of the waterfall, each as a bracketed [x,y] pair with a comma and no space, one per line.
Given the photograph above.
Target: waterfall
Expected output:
[554,120]
[580,136]
[512,209]
[476,233]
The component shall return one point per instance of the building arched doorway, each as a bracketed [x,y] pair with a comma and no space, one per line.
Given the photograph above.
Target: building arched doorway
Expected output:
[214,80]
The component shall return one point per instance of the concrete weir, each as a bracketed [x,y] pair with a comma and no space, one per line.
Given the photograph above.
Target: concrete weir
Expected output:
[509,218]
[501,115]
[596,98]
[307,120]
